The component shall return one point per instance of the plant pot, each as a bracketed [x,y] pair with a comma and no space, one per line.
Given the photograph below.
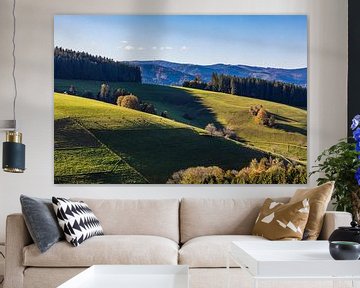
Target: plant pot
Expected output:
[350,234]
[342,250]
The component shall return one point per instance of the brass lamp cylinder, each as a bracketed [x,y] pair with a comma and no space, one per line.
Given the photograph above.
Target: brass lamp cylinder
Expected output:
[13,136]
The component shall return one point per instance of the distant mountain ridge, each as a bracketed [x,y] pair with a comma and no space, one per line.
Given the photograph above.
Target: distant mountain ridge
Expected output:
[169,73]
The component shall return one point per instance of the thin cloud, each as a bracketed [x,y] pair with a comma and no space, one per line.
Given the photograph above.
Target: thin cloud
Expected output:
[125,42]
[166,48]
[183,48]
[128,47]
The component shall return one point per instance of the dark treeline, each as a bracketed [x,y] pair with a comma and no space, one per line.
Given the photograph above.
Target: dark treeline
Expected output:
[69,64]
[275,91]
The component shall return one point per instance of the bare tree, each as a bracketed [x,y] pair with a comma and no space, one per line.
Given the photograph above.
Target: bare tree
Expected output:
[211,129]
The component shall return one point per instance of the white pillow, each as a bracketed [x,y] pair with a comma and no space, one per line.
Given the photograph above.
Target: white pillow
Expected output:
[76,220]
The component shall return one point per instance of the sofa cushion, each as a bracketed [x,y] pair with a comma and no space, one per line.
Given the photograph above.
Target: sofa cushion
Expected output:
[201,217]
[41,221]
[107,249]
[137,217]
[279,221]
[319,198]
[211,251]
[35,277]
[76,220]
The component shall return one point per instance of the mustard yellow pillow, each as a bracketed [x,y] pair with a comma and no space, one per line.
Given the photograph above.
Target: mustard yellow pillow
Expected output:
[279,221]
[319,198]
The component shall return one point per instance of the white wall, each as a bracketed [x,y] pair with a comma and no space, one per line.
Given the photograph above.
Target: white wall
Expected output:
[327,89]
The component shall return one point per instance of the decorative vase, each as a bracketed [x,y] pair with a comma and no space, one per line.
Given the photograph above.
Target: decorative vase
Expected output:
[350,234]
[343,250]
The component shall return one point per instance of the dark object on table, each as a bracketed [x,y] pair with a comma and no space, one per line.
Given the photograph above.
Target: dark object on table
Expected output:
[343,250]
[351,233]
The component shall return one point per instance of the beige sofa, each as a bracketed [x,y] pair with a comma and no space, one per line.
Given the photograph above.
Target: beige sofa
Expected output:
[194,232]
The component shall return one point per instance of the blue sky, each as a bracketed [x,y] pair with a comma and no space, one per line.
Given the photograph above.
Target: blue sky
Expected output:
[256,40]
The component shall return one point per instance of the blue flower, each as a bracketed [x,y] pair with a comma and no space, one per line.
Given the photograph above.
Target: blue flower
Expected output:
[357,176]
[357,147]
[356,134]
[355,122]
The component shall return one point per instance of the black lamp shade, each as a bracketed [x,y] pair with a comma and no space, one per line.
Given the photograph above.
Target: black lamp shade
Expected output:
[13,157]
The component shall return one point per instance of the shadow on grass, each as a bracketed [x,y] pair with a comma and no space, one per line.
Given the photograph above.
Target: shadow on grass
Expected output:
[158,153]
[190,109]
[69,134]
[290,128]
[116,177]
[181,105]
[282,118]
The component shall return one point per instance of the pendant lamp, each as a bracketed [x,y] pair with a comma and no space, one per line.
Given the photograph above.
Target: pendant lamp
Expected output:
[13,160]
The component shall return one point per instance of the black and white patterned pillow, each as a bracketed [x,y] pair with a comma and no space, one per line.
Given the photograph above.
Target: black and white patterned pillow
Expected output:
[77,220]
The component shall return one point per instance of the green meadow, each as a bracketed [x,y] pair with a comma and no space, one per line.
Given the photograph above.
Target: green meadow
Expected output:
[97,142]
[199,108]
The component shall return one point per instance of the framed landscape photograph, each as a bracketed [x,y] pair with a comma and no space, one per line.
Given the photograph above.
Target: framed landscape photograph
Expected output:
[180,99]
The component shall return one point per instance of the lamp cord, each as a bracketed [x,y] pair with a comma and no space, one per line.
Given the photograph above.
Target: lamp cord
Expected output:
[14,61]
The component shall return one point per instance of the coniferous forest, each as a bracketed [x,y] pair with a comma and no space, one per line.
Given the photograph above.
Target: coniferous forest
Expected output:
[285,93]
[69,64]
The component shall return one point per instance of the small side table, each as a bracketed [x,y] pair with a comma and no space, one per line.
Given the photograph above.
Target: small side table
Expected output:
[134,276]
[284,262]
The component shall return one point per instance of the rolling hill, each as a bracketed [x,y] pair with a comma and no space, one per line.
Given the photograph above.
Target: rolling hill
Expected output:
[96,142]
[199,108]
[170,73]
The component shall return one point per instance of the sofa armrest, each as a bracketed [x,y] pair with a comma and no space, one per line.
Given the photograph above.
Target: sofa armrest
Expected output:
[17,237]
[333,220]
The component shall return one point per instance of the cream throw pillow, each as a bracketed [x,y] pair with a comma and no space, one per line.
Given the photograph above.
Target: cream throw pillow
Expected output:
[319,198]
[279,221]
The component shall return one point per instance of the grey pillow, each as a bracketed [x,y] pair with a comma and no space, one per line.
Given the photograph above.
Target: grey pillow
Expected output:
[41,221]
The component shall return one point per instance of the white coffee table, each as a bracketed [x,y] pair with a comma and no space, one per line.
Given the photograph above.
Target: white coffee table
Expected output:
[131,276]
[292,260]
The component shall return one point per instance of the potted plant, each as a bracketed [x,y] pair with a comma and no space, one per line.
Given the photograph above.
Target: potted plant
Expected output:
[341,163]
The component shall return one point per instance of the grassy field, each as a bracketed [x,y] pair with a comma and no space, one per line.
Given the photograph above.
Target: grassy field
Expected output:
[288,138]
[174,100]
[96,142]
